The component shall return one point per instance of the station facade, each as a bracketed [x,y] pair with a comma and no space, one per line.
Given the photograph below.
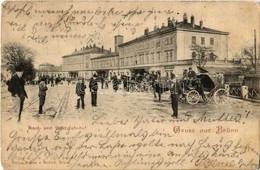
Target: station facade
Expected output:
[169,48]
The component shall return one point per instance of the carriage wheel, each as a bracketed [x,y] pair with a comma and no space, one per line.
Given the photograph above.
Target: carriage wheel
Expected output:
[220,96]
[193,97]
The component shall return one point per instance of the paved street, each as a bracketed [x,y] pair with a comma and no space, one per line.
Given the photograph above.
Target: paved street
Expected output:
[131,123]
[61,101]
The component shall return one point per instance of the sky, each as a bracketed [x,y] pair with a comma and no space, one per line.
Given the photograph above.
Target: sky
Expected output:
[55,29]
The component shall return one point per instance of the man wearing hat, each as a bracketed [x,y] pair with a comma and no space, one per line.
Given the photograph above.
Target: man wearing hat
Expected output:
[191,77]
[176,90]
[16,88]
[93,88]
[153,78]
[80,91]
[42,94]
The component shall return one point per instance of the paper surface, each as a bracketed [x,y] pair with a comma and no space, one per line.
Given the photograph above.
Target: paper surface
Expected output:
[126,130]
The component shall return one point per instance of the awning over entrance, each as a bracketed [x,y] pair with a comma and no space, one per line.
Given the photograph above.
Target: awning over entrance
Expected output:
[221,70]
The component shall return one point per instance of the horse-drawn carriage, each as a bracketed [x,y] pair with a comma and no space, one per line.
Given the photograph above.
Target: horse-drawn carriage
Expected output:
[206,86]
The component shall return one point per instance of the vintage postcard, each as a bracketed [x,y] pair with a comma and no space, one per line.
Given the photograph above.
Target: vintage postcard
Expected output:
[130,85]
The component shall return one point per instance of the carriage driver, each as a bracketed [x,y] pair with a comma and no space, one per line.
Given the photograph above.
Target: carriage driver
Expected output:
[191,77]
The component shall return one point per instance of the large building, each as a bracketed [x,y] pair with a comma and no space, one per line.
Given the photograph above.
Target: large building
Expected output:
[170,48]
[174,47]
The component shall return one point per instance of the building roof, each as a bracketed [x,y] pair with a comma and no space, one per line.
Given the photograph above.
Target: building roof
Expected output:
[223,70]
[105,56]
[89,50]
[180,26]
[46,64]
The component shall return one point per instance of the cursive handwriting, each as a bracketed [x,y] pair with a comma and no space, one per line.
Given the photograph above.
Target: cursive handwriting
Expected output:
[49,23]
[126,144]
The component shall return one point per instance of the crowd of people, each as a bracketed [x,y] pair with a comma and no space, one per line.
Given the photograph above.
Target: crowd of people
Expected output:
[159,85]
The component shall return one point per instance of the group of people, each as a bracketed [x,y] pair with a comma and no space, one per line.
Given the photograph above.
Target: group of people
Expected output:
[80,91]
[174,87]
[17,90]
[189,77]
[16,84]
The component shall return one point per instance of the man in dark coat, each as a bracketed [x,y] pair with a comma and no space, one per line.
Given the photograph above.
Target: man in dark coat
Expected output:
[115,82]
[102,81]
[159,85]
[153,78]
[93,87]
[80,91]
[42,94]
[16,88]
[191,77]
[175,92]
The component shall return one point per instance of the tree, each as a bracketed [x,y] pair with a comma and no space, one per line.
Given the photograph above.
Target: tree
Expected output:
[246,57]
[200,55]
[17,55]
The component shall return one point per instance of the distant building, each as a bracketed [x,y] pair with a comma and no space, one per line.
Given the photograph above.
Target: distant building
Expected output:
[47,69]
[84,62]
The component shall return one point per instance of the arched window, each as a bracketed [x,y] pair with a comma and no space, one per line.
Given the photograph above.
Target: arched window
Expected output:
[203,55]
[193,55]
[212,56]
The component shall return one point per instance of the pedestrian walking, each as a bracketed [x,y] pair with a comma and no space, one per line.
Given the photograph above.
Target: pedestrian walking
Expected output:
[153,78]
[126,80]
[175,90]
[106,83]
[93,87]
[80,91]
[42,94]
[102,82]
[52,81]
[115,82]
[17,90]
[158,86]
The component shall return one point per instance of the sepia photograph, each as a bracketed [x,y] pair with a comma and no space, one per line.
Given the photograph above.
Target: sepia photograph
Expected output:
[130,85]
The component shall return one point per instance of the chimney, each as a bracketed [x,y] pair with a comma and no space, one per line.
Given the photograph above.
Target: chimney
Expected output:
[155,27]
[146,31]
[162,25]
[185,18]
[109,49]
[94,45]
[192,20]
[201,24]
[102,47]
[173,22]
[75,49]
[170,24]
[119,39]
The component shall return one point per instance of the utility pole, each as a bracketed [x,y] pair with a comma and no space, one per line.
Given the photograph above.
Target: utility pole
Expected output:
[255,48]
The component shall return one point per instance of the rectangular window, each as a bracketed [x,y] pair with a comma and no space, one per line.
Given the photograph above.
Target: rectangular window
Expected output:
[158,57]
[211,41]
[171,40]
[202,40]
[152,44]
[152,58]
[166,56]
[171,59]
[193,40]
[166,41]
[158,44]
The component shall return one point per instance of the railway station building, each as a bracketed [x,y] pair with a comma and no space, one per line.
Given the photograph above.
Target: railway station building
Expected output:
[173,47]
